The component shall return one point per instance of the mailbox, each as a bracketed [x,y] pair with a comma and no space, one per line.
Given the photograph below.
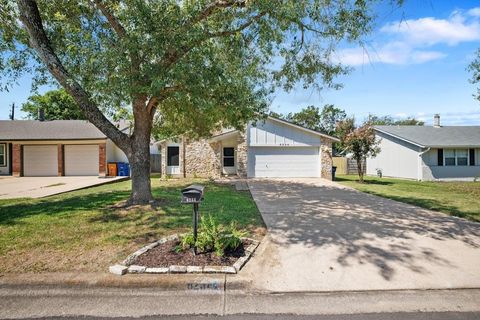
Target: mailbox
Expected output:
[193,194]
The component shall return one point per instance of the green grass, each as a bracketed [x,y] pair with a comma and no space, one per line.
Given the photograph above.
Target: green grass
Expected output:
[461,199]
[84,230]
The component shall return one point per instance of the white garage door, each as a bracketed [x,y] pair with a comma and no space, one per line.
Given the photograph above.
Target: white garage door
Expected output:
[40,161]
[81,160]
[272,162]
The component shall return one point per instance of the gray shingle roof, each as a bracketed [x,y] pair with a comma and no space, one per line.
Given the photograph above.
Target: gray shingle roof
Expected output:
[427,136]
[49,130]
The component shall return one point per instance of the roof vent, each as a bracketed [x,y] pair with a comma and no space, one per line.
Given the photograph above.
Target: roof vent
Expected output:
[436,121]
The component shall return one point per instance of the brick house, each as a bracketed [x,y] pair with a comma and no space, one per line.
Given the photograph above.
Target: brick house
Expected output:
[56,148]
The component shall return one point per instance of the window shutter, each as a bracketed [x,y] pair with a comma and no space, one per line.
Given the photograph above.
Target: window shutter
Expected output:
[472,157]
[440,157]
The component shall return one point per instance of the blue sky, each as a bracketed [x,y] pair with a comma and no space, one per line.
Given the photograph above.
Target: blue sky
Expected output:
[414,64]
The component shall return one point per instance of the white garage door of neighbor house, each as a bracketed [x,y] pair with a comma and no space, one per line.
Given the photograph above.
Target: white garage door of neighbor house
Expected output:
[81,160]
[278,162]
[40,161]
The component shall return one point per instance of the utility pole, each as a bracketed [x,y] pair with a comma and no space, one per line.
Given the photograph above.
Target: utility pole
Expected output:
[12,113]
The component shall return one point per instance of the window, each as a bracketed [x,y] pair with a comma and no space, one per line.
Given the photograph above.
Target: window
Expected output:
[462,157]
[3,161]
[449,157]
[173,156]
[228,157]
[456,157]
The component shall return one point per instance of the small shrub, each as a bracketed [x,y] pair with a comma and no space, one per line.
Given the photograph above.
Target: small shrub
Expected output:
[213,236]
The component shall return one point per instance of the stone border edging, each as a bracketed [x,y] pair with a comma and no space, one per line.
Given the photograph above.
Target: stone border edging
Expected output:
[127,265]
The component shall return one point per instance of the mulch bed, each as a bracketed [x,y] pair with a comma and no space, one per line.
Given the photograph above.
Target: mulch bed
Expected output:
[164,255]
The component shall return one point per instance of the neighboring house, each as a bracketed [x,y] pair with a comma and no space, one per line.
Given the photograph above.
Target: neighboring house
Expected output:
[56,148]
[427,152]
[268,148]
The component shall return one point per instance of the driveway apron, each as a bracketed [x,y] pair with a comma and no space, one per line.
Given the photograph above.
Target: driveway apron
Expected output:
[326,237]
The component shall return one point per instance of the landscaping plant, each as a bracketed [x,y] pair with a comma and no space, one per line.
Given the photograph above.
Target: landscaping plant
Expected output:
[213,236]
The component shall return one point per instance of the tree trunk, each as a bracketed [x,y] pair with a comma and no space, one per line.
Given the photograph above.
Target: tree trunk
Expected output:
[359,169]
[140,172]
[139,155]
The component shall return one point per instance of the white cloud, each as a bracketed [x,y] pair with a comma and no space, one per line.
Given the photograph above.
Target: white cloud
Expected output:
[474,12]
[391,53]
[430,31]
[410,41]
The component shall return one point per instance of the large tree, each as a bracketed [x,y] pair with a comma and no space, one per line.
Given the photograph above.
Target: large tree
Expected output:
[390,121]
[193,65]
[311,117]
[56,104]
[474,68]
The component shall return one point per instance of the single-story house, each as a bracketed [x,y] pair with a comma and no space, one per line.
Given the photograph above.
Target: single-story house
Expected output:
[267,148]
[427,152]
[56,148]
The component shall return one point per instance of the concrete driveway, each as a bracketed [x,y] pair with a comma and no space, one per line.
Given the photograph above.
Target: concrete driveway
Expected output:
[38,187]
[326,237]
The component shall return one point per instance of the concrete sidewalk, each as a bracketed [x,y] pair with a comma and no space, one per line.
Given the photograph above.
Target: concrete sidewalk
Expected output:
[325,237]
[39,187]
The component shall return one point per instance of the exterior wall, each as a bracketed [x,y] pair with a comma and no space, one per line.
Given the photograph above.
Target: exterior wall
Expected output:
[272,133]
[5,170]
[17,159]
[102,159]
[61,159]
[326,159]
[242,155]
[432,171]
[203,159]
[397,158]
[114,153]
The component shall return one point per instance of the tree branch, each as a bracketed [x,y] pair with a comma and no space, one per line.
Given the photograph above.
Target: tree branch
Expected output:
[30,17]
[211,8]
[178,54]
[112,20]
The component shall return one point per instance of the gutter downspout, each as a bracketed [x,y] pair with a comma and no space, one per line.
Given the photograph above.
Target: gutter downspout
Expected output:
[420,158]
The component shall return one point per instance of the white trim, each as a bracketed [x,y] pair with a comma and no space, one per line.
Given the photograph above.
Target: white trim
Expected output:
[304,129]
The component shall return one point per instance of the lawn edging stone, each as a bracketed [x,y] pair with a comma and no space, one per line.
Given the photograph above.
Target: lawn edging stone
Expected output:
[127,265]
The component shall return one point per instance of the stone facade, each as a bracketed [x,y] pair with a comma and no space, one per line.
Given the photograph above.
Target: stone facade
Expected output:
[203,159]
[242,155]
[326,159]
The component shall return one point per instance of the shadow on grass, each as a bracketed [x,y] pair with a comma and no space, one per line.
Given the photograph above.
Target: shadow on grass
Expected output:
[428,204]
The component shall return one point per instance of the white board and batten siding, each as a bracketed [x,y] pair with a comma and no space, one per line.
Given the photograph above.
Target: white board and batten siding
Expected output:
[40,160]
[276,149]
[81,160]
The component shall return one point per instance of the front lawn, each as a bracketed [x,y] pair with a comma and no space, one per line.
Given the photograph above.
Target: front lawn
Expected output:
[460,199]
[83,230]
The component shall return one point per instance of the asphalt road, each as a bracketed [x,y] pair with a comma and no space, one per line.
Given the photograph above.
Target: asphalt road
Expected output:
[374,316]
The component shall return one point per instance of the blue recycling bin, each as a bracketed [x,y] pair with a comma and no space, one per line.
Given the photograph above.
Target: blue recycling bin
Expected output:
[123,169]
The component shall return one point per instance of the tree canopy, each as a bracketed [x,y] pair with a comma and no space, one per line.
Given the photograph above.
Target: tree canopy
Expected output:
[390,121]
[474,68]
[187,66]
[57,105]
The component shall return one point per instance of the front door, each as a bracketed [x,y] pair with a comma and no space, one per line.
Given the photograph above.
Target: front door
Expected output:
[229,166]
[173,160]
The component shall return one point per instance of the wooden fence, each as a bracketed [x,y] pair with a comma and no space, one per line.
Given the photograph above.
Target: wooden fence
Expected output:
[347,165]
[156,163]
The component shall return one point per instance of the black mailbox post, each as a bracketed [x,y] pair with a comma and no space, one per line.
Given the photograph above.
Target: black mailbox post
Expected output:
[193,195]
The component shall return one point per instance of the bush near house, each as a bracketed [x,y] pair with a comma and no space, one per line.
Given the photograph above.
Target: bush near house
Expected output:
[461,199]
[84,230]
